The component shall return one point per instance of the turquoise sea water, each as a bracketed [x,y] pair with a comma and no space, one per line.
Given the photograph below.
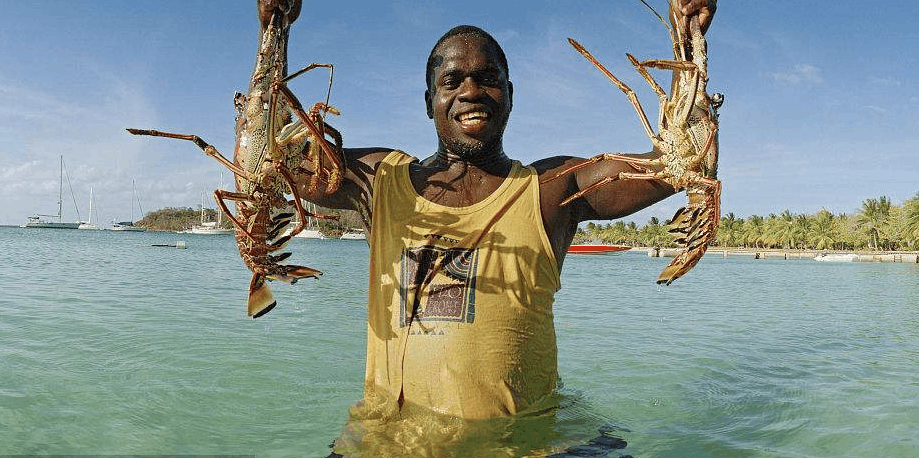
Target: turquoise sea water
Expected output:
[109,345]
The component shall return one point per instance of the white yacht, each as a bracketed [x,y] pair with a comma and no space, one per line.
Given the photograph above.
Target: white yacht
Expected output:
[128,226]
[89,224]
[39,221]
[354,234]
[210,227]
[311,231]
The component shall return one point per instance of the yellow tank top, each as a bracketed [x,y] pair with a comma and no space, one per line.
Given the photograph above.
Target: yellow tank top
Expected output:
[478,339]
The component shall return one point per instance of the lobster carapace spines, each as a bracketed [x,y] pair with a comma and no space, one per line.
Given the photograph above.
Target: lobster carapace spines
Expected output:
[278,146]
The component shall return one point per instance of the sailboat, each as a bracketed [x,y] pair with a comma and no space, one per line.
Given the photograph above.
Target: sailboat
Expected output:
[89,224]
[354,234]
[210,227]
[128,226]
[39,221]
[311,230]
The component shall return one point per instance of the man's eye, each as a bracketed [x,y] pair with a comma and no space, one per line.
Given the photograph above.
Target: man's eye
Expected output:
[490,79]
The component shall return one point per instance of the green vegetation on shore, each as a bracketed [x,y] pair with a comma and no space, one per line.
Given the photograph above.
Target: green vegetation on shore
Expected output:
[878,225]
[181,219]
[175,219]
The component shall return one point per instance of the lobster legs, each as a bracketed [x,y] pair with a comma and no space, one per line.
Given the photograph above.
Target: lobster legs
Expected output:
[686,142]
[316,130]
[269,159]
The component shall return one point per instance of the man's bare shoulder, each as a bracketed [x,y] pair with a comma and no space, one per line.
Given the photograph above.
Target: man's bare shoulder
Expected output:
[360,167]
[369,156]
[554,164]
[562,173]
[363,162]
[556,183]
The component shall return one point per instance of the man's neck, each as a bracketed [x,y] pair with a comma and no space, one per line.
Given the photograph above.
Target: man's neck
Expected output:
[494,162]
[460,180]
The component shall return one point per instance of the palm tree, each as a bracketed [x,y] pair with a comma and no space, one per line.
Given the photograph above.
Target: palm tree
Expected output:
[911,217]
[823,234]
[653,234]
[799,229]
[631,232]
[847,229]
[771,227]
[616,233]
[872,219]
[877,225]
[786,229]
[729,230]
[752,233]
[895,229]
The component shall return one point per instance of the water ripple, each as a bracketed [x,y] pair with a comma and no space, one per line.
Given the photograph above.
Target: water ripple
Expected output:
[113,346]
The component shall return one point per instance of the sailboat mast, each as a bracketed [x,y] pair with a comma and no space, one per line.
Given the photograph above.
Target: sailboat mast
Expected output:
[60,192]
[139,206]
[133,197]
[219,212]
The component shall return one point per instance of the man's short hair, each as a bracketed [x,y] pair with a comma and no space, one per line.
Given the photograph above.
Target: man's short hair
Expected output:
[462,30]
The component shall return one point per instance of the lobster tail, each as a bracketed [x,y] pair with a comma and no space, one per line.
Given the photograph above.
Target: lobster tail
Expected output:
[681,264]
[695,226]
[261,300]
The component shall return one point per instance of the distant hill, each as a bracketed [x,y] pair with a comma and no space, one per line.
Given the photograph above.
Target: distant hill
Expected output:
[176,219]
[180,219]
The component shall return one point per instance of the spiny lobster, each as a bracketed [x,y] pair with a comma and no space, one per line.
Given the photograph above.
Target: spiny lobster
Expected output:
[271,156]
[687,137]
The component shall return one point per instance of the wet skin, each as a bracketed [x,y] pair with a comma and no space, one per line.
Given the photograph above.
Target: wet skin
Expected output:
[470,101]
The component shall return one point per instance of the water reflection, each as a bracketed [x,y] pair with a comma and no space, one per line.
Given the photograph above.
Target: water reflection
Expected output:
[561,425]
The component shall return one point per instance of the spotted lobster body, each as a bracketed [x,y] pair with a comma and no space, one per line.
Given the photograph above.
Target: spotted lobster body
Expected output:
[687,137]
[278,144]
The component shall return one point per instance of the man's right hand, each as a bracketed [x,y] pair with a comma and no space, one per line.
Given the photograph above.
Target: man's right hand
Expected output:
[290,9]
[682,11]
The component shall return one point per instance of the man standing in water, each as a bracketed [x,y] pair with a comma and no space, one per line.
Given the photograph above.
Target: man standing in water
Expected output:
[466,246]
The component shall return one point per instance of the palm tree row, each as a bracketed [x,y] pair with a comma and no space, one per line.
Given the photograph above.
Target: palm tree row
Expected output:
[878,225]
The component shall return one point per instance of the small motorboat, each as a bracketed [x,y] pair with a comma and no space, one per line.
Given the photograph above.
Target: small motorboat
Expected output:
[836,257]
[596,249]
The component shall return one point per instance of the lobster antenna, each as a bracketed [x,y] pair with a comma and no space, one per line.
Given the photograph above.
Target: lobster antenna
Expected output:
[328,94]
[659,17]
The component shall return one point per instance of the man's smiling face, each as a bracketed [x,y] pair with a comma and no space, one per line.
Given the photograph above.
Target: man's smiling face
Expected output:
[471,99]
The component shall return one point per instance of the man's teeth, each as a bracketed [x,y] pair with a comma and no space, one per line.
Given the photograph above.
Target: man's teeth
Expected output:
[473,116]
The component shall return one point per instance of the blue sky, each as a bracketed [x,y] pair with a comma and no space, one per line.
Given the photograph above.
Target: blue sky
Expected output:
[820,112]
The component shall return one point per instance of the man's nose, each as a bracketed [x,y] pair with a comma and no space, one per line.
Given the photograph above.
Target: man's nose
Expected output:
[470,89]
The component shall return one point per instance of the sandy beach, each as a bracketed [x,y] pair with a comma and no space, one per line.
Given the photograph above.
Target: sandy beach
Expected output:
[762,253]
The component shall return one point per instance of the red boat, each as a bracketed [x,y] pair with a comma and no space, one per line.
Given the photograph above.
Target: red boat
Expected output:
[596,249]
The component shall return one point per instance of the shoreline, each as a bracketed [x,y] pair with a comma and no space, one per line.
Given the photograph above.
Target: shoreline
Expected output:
[770,253]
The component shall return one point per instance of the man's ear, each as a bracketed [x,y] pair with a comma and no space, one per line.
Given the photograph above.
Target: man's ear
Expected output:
[510,96]
[427,103]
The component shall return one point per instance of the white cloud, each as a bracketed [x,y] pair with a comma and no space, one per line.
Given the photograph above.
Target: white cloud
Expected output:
[801,74]
[6,173]
[884,81]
